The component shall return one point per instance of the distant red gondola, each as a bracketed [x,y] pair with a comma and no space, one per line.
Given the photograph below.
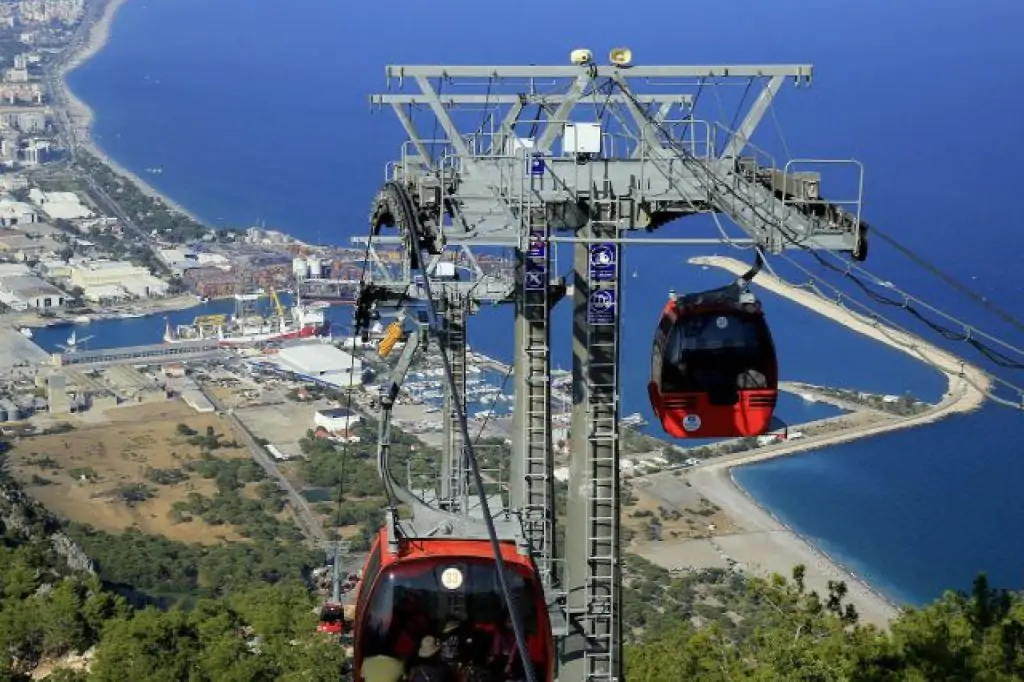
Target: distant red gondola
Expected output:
[433,585]
[714,372]
[332,619]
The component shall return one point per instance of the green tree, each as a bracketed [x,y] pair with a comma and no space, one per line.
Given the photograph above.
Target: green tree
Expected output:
[150,646]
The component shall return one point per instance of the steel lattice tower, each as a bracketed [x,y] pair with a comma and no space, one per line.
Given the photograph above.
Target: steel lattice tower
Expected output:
[612,150]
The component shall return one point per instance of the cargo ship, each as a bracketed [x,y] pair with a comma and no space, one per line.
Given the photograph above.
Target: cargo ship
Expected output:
[249,326]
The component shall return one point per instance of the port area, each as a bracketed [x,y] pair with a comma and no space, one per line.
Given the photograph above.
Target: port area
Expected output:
[268,440]
[238,446]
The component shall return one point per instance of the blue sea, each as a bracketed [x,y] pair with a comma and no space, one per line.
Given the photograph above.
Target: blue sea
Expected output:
[257,111]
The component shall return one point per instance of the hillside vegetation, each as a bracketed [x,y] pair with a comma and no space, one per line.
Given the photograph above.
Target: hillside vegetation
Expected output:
[776,630]
[152,610]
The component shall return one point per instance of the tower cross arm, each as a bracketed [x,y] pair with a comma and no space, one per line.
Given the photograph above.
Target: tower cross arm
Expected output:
[449,100]
[799,71]
[434,102]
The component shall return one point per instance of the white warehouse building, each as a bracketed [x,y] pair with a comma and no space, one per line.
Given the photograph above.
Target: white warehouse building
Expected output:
[16,213]
[59,205]
[336,419]
[321,362]
[116,280]
[28,292]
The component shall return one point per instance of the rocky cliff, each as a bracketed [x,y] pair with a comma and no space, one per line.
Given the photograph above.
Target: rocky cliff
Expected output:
[22,518]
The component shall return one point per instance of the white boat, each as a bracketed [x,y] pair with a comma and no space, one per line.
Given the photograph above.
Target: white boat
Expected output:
[26,332]
[635,420]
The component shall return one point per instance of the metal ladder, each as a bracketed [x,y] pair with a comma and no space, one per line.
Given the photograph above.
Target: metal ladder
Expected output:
[537,513]
[453,474]
[602,653]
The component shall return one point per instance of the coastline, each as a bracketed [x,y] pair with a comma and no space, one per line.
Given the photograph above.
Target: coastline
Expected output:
[887,608]
[768,544]
[715,480]
[81,116]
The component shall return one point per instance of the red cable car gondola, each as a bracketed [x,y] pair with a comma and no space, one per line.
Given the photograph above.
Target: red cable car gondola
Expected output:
[431,585]
[714,372]
[332,620]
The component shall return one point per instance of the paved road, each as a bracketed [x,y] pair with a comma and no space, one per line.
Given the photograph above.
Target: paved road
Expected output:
[310,525]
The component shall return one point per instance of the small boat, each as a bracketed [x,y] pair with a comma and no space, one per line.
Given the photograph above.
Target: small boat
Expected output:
[26,332]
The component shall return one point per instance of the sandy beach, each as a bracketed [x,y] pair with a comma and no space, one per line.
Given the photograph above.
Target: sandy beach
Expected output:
[81,116]
[765,544]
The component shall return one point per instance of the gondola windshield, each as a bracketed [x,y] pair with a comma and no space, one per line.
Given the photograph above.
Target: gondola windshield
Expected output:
[718,353]
[421,598]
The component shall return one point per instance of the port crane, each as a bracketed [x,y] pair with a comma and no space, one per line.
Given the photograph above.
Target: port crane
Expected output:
[614,150]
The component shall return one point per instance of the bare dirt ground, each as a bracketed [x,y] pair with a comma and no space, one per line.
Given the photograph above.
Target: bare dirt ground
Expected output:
[682,512]
[283,425]
[77,474]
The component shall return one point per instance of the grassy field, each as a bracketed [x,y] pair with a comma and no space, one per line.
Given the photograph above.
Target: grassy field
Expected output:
[87,475]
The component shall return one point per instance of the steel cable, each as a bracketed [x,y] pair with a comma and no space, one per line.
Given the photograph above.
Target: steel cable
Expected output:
[968,335]
[411,222]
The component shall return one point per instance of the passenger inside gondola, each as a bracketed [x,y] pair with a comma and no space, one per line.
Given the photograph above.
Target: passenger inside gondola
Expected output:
[451,643]
[502,651]
[398,631]
[428,666]
[459,630]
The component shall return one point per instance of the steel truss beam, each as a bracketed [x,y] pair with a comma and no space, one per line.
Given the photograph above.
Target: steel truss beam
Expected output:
[593,648]
[658,168]
[525,99]
[532,490]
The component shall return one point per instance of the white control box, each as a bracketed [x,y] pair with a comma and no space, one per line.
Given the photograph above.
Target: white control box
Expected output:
[515,146]
[581,138]
[444,270]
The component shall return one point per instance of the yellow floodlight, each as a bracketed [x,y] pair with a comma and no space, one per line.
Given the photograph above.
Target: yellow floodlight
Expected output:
[581,56]
[621,56]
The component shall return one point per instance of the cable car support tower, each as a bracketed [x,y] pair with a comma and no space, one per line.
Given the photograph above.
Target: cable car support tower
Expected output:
[612,150]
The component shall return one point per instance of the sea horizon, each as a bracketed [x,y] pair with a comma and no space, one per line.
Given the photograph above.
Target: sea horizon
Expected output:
[121,134]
